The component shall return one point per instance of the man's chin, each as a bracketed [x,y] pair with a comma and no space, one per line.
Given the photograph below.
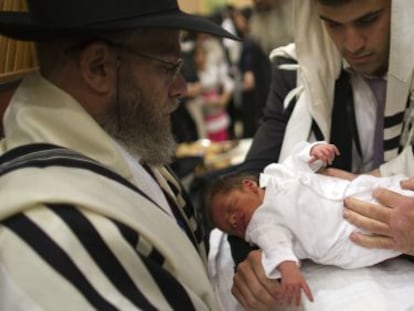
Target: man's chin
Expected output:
[157,151]
[369,69]
[147,143]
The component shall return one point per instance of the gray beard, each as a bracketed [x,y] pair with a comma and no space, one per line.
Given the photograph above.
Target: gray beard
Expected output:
[139,128]
[151,147]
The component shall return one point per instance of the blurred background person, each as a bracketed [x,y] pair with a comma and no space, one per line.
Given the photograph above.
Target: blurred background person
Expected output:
[188,125]
[216,87]
[271,24]
[255,70]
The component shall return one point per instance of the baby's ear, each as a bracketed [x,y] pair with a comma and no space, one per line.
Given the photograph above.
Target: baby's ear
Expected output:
[249,184]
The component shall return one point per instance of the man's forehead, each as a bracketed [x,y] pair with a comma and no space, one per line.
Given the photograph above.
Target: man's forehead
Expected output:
[352,10]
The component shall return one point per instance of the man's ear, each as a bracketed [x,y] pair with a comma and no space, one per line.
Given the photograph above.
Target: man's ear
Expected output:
[99,64]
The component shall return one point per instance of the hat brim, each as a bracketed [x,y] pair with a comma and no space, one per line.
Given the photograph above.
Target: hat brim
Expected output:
[19,26]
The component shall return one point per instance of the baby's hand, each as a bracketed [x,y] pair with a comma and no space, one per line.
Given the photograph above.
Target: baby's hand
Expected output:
[293,282]
[324,152]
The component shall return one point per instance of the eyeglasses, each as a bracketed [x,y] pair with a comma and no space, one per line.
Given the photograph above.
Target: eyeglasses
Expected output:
[173,69]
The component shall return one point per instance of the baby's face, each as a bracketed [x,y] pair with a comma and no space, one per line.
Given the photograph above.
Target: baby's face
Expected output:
[231,212]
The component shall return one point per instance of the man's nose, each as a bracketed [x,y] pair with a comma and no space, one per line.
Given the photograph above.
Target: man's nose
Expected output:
[354,40]
[178,86]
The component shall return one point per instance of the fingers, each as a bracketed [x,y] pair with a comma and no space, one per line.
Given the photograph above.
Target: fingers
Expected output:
[292,294]
[249,292]
[252,288]
[366,223]
[372,211]
[245,297]
[312,159]
[371,241]
[307,291]
[255,297]
[325,153]
[390,223]
[392,199]
[408,184]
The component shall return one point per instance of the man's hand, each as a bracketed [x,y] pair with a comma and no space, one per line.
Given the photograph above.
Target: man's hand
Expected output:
[253,289]
[391,221]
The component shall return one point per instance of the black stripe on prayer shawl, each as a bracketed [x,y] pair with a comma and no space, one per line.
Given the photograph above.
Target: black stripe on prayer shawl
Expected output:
[133,238]
[173,291]
[392,143]
[129,235]
[58,156]
[178,192]
[24,150]
[47,249]
[393,120]
[179,218]
[199,232]
[176,210]
[188,209]
[189,212]
[101,253]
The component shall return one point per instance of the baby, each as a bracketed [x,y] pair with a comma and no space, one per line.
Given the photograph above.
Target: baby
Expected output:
[293,213]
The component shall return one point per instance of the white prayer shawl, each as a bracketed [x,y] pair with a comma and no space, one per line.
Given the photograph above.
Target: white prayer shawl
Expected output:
[319,65]
[40,113]
[301,216]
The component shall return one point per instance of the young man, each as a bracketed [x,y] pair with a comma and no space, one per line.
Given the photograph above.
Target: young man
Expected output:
[91,217]
[341,82]
[353,88]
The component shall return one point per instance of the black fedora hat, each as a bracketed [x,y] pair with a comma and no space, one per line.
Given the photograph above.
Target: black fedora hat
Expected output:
[54,19]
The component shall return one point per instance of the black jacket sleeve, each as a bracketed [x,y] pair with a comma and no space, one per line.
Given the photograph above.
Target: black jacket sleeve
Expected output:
[269,136]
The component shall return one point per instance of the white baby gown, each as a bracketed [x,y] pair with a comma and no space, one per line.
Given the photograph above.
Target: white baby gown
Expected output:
[302,215]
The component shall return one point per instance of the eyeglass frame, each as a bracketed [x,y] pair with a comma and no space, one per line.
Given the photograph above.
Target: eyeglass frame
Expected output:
[174,68]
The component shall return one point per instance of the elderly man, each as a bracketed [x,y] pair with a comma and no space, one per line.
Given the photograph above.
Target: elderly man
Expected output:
[90,216]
